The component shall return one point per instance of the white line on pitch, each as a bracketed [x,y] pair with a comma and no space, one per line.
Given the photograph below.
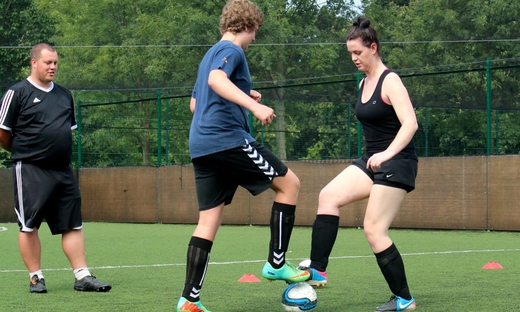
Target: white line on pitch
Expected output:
[256,261]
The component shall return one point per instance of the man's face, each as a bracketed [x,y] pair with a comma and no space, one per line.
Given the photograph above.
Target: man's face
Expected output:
[45,67]
[250,35]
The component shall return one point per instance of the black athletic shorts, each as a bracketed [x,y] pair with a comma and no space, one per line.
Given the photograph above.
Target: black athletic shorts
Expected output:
[218,175]
[400,173]
[49,194]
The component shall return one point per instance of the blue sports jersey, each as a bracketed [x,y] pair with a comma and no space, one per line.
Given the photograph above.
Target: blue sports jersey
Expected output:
[219,124]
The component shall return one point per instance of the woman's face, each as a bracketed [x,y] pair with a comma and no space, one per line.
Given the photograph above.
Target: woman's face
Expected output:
[361,55]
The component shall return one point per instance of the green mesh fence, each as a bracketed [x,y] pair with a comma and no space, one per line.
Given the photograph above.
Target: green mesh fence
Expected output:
[465,112]
[127,133]
[460,113]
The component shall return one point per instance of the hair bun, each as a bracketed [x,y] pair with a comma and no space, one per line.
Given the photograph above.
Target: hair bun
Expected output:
[362,22]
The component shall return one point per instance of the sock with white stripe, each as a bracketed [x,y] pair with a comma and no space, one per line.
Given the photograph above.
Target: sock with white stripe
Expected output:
[196,266]
[282,222]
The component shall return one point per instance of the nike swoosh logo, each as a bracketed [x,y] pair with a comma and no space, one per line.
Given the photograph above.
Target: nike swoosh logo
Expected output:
[304,273]
[404,306]
[389,175]
[36,100]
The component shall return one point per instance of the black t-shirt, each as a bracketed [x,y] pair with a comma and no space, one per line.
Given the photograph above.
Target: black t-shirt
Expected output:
[380,123]
[40,122]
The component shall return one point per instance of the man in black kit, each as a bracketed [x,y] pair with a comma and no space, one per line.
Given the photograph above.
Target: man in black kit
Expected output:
[36,119]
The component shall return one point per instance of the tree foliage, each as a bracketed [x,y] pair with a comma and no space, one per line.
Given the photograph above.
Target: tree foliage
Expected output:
[22,25]
[293,31]
[455,37]
[132,51]
[114,51]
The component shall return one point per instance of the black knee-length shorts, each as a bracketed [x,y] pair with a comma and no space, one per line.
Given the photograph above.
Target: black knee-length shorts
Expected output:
[50,194]
[218,175]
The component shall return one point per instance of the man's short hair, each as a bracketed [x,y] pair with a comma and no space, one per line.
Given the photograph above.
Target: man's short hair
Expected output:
[37,49]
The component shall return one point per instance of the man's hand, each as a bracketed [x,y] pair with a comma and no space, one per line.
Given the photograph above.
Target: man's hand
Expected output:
[264,113]
[5,139]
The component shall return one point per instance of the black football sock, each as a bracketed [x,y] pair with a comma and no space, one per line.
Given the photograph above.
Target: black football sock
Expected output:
[324,233]
[392,267]
[196,265]
[282,222]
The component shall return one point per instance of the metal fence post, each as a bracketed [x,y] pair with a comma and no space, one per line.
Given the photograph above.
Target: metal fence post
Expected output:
[79,124]
[426,121]
[159,127]
[497,132]
[488,102]
[359,141]
[348,131]
[167,133]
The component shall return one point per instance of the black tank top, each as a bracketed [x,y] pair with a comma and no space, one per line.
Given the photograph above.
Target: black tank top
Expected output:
[380,122]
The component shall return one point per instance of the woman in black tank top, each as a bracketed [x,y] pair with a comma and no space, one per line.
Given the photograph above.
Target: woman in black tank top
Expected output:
[384,174]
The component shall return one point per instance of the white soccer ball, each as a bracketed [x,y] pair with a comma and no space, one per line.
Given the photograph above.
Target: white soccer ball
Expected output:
[305,263]
[299,297]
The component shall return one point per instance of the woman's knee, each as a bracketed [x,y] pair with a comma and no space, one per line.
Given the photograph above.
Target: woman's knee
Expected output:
[373,233]
[328,202]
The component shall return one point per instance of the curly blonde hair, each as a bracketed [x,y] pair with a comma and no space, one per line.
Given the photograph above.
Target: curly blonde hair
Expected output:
[237,14]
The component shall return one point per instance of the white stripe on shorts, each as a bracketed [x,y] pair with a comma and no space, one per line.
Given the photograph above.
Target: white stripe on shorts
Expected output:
[19,189]
[260,161]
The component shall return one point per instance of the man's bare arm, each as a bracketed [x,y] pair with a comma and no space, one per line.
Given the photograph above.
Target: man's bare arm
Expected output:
[5,140]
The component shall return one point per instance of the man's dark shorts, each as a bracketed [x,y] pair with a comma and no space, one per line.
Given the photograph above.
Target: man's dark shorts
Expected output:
[217,176]
[50,194]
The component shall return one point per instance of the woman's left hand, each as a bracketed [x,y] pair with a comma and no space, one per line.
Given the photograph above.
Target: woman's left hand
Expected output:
[376,160]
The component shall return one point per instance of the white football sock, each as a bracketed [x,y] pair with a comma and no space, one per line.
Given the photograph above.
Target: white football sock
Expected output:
[81,273]
[37,273]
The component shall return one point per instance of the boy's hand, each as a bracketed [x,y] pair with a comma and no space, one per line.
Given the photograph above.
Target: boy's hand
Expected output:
[255,95]
[264,113]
